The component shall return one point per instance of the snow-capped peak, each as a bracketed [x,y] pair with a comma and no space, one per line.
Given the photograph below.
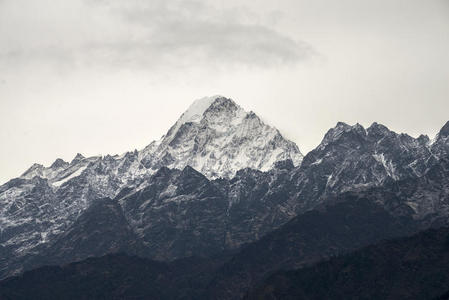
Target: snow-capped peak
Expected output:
[194,114]
[196,109]
[214,135]
[218,137]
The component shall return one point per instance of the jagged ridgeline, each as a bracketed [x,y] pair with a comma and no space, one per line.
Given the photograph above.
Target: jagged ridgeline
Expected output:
[219,179]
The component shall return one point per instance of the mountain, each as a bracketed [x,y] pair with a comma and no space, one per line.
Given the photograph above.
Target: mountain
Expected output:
[214,135]
[220,178]
[408,268]
[425,198]
[115,276]
[182,212]
[352,156]
[224,214]
[308,238]
[217,137]
[341,224]
[179,213]
[102,229]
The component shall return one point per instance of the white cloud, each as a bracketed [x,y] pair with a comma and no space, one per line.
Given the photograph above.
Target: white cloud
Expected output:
[149,34]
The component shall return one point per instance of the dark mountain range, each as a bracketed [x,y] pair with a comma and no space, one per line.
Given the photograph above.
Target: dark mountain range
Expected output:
[115,276]
[222,182]
[349,221]
[306,239]
[182,213]
[346,222]
[339,225]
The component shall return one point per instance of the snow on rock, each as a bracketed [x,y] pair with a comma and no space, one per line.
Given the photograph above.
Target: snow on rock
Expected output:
[74,174]
[388,165]
[193,114]
[217,137]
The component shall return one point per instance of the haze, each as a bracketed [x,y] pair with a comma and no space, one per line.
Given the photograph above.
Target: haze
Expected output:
[108,76]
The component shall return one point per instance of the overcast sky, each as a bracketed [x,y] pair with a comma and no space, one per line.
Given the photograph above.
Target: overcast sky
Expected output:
[108,76]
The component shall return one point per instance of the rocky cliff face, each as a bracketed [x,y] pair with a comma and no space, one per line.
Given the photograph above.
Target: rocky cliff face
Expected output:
[352,157]
[182,213]
[304,240]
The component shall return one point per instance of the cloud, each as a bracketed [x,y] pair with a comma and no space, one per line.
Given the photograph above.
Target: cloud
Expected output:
[145,34]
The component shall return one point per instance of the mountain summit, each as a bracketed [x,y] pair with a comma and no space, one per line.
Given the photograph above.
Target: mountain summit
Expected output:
[214,135]
[217,137]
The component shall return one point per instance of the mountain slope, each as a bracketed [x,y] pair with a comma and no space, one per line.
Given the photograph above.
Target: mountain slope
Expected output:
[115,276]
[186,213]
[307,239]
[100,230]
[407,268]
[178,216]
[342,224]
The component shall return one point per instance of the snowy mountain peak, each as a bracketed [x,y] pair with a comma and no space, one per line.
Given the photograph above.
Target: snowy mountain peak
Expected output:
[217,137]
[195,111]
[208,108]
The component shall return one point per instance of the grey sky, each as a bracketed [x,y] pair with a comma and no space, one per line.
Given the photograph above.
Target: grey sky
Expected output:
[107,76]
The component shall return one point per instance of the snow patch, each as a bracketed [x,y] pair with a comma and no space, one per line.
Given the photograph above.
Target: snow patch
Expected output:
[388,165]
[197,109]
[73,175]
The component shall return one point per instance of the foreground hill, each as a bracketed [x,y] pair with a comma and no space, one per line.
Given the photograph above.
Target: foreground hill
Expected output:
[407,268]
[115,276]
[307,239]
